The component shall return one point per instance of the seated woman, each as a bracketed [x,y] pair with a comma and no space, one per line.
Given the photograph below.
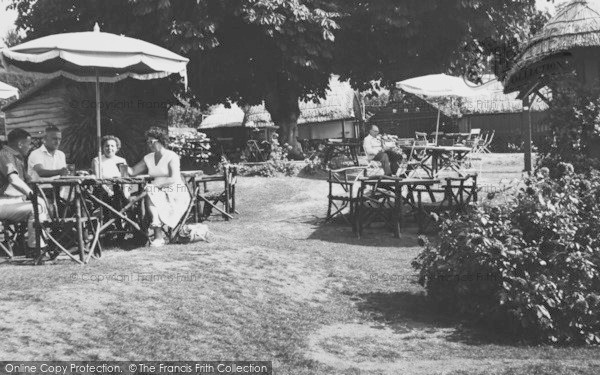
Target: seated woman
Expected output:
[168,196]
[110,163]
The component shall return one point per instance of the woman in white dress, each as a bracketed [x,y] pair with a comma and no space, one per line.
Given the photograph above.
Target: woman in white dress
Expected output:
[168,196]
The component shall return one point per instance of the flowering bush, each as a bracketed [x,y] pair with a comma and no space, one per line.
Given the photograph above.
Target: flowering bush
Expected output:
[278,163]
[313,166]
[530,266]
[192,147]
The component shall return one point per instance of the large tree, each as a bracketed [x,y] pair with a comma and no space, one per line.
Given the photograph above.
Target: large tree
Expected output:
[282,51]
[387,41]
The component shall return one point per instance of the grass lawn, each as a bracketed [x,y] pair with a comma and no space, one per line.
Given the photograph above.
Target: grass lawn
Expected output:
[274,284]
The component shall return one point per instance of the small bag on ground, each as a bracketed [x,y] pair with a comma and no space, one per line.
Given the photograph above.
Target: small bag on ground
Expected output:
[193,233]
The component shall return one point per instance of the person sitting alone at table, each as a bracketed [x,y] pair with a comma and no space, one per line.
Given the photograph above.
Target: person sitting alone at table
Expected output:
[14,189]
[48,161]
[168,197]
[374,148]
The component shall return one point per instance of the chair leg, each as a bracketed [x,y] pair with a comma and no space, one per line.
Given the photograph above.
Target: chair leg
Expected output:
[329,204]
[7,249]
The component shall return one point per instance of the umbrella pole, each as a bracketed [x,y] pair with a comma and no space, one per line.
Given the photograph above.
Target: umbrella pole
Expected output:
[98,133]
[437,127]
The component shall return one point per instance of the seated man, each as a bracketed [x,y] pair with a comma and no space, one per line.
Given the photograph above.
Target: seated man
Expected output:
[48,160]
[13,189]
[373,146]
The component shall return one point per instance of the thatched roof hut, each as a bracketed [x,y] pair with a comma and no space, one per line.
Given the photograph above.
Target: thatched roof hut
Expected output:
[222,117]
[341,107]
[568,37]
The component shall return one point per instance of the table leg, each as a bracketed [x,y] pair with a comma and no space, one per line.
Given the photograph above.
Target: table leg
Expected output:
[36,218]
[398,211]
[354,153]
[434,164]
[80,242]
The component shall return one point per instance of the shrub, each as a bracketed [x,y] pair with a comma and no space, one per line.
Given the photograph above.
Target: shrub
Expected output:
[574,119]
[192,147]
[530,266]
[277,165]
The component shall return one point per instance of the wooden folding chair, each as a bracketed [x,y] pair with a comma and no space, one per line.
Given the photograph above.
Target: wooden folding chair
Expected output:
[226,197]
[429,209]
[173,233]
[12,236]
[255,153]
[341,192]
[373,203]
[474,133]
[461,191]
[60,230]
[416,161]
[421,136]
[485,147]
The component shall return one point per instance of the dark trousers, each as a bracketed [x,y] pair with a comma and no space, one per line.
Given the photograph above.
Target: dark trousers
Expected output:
[390,161]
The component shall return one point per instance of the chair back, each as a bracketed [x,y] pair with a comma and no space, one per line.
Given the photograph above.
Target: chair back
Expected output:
[475,133]
[420,136]
[405,141]
[252,145]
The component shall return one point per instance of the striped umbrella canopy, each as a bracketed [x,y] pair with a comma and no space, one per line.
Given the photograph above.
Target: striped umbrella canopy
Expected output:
[93,56]
[8,91]
[441,85]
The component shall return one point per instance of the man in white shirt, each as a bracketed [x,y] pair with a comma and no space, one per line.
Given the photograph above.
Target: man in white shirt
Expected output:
[48,161]
[373,146]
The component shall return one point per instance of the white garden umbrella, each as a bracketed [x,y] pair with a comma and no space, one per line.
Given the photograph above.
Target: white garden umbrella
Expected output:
[441,85]
[93,56]
[8,91]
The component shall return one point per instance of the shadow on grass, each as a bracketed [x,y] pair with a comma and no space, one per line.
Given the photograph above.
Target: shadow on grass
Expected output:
[339,230]
[403,311]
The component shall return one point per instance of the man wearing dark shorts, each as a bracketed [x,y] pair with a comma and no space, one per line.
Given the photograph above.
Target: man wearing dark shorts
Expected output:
[373,146]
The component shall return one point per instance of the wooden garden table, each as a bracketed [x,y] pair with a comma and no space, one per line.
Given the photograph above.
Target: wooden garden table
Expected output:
[346,147]
[393,187]
[77,213]
[442,157]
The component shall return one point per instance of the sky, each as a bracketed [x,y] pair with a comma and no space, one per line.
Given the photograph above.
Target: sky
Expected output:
[7,17]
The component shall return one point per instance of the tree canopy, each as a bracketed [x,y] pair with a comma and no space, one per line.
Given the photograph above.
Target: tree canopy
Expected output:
[282,51]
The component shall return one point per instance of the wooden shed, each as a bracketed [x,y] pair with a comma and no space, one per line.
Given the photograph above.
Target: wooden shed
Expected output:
[503,114]
[128,108]
[406,114]
[491,111]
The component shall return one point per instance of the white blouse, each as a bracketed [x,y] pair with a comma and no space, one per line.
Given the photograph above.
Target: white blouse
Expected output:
[109,166]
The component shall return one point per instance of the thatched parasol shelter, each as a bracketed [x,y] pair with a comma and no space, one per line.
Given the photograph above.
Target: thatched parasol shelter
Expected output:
[568,43]
[567,47]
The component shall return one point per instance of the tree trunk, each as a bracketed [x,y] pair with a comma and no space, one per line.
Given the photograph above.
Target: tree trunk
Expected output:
[282,103]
